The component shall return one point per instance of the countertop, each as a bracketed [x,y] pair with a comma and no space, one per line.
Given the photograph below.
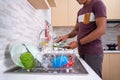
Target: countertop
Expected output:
[23,76]
[111,51]
[7,63]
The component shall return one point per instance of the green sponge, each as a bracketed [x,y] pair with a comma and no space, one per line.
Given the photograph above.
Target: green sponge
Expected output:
[28,60]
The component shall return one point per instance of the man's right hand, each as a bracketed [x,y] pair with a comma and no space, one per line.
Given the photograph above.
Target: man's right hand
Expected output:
[61,38]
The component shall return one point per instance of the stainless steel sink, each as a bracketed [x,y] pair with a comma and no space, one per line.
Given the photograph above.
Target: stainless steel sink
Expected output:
[76,68]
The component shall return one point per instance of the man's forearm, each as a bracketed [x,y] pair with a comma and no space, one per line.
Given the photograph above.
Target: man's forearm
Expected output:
[74,32]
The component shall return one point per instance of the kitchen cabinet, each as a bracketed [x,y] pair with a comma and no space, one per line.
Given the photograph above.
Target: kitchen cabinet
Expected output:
[65,13]
[42,4]
[51,3]
[39,4]
[111,66]
[105,67]
[114,66]
[59,13]
[112,7]
[73,8]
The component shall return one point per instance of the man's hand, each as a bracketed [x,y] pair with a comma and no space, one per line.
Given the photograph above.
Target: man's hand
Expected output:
[72,45]
[73,33]
[61,38]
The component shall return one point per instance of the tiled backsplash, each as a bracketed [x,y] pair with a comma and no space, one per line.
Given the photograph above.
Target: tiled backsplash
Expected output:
[113,30]
[20,22]
[111,35]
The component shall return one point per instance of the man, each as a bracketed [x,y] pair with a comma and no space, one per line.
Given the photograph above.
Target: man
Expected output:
[90,26]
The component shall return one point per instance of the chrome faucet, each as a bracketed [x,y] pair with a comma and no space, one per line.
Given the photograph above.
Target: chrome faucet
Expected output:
[47,35]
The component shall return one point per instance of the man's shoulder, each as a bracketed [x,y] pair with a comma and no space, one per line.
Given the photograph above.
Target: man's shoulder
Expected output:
[97,1]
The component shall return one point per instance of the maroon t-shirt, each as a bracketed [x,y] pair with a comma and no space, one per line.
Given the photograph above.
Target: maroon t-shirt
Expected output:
[86,19]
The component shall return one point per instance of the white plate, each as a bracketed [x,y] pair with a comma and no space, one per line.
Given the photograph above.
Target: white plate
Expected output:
[18,48]
[35,52]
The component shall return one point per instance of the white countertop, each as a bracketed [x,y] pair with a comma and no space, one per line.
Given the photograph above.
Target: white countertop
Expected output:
[112,51]
[23,76]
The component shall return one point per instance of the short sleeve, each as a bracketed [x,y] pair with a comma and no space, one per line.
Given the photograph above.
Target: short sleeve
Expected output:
[99,9]
[77,18]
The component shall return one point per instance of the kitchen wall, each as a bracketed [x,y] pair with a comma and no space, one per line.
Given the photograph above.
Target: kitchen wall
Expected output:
[20,22]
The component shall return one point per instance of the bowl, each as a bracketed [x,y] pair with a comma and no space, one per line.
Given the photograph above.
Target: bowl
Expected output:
[17,49]
[60,61]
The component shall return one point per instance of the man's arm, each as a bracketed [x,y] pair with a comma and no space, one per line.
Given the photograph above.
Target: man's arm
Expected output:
[100,30]
[73,33]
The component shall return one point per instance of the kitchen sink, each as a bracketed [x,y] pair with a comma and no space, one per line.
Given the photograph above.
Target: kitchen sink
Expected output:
[76,68]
